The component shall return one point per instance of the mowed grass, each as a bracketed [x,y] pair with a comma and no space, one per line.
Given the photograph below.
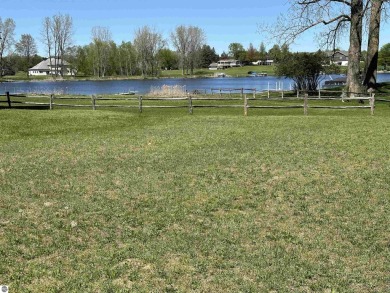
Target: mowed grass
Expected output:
[233,71]
[164,201]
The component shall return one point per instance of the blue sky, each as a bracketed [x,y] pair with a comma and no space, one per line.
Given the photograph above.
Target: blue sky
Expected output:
[224,22]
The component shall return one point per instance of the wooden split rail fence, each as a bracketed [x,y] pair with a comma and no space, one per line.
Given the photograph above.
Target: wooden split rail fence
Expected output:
[246,101]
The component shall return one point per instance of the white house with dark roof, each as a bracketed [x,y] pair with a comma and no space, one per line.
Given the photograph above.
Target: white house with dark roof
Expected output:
[55,67]
[338,57]
[225,63]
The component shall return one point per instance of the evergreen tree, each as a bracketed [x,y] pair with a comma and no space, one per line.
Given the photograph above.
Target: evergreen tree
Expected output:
[207,56]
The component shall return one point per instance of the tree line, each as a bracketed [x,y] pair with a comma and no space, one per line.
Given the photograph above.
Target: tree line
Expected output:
[147,54]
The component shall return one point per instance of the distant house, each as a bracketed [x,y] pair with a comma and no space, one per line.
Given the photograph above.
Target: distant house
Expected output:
[338,57]
[213,66]
[263,62]
[227,63]
[55,67]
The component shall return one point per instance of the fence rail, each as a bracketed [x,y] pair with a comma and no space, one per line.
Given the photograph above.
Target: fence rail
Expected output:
[244,100]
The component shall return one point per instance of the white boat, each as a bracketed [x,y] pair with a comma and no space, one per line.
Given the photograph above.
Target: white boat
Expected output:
[129,93]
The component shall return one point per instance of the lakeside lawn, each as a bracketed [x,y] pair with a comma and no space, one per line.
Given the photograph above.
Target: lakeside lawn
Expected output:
[234,71]
[116,201]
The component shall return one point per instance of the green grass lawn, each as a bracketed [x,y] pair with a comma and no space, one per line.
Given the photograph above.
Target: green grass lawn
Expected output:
[164,201]
[234,71]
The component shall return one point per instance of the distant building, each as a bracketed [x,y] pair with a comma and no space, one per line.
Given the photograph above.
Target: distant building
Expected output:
[263,62]
[213,66]
[51,68]
[338,57]
[226,63]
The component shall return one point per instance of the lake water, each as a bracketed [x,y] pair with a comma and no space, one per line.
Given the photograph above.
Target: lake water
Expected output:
[144,86]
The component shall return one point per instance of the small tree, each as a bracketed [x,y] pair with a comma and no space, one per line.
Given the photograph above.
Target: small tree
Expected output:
[252,54]
[7,29]
[262,52]
[304,68]
[26,48]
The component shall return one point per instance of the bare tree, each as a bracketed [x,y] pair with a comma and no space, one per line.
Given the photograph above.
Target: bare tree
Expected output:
[7,29]
[370,71]
[180,40]
[196,41]
[47,36]
[65,31]
[188,41]
[148,43]
[101,38]
[26,48]
[338,16]
[57,35]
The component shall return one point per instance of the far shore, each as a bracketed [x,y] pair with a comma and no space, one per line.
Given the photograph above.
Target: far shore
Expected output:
[198,73]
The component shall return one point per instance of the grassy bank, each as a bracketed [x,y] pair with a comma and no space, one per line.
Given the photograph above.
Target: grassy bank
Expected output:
[234,71]
[115,201]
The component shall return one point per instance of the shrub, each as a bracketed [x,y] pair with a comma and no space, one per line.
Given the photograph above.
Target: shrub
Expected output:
[304,68]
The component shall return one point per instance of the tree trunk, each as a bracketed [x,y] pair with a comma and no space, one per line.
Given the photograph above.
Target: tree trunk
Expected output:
[355,43]
[373,45]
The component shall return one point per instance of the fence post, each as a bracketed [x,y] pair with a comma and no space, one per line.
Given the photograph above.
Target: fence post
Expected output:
[297,93]
[268,90]
[254,93]
[305,105]
[319,92]
[343,95]
[8,99]
[93,99]
[190,104]
[372,103]
[245,106]
[140,103]
[51,102]
[282,93]
[242,93]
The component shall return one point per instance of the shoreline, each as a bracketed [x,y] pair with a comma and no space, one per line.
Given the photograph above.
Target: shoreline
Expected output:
[107,79]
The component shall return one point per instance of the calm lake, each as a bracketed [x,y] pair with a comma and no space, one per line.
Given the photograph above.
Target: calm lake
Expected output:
[144,86]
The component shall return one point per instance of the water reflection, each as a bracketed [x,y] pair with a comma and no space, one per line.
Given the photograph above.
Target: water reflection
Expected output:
[144,86]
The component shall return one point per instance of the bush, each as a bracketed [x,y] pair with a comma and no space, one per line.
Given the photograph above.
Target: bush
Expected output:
[304,68]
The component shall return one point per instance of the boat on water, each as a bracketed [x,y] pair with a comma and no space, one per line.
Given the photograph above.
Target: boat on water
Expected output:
[129,93]
[220,74]
[340,81]
[256,74]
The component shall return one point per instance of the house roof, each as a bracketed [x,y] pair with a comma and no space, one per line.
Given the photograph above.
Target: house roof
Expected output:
[45,64]
[332,53]
[227,60]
